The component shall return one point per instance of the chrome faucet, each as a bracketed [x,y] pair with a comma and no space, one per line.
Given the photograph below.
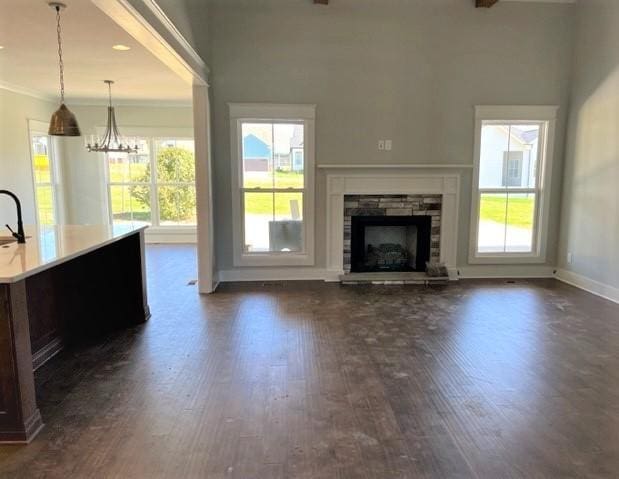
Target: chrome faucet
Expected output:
[20,236]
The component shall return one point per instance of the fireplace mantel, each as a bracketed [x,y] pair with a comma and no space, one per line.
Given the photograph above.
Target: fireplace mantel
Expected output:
[388,182]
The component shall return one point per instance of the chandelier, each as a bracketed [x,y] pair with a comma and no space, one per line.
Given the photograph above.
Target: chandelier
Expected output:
[111,142]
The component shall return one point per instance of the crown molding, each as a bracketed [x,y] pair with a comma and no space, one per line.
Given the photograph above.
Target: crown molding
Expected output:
[156,10]
[102,102]
[148,24]
[20,90]
[94,101]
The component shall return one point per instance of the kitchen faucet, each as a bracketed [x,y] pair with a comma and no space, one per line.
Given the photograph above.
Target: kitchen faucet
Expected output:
[20,236]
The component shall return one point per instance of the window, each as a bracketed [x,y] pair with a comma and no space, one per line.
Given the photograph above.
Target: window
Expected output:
[156,185]
[44,175]
[511,183]
[512,168]
[272,184]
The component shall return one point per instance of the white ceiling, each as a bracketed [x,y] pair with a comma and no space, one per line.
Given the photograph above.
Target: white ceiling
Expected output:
[29,59]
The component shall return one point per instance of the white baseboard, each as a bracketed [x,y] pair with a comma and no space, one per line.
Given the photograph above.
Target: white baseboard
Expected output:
[505,271]
[587,284]
[319,274]
[272,274]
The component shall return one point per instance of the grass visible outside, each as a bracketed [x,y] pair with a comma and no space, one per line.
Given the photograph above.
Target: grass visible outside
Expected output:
[520,210]
[283,179]
[278,204]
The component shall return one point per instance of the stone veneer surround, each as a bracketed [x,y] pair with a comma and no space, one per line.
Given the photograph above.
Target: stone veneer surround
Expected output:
[401,180]
[393,205]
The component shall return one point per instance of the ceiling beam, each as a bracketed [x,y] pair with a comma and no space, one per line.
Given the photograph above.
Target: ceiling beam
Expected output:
[321,2]
[485,3]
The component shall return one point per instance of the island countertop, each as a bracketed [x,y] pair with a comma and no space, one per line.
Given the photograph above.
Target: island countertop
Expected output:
[49,246]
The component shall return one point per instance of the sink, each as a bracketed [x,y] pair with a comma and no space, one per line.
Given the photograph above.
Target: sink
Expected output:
[6,240]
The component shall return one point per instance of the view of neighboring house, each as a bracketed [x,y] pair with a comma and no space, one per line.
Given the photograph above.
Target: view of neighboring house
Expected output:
[258,154]
[508,156]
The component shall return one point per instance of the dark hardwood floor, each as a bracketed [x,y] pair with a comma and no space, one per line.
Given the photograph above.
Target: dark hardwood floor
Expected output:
[475,379]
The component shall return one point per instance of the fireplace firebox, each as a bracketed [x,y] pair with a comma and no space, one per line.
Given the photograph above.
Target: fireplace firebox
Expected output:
[390,243]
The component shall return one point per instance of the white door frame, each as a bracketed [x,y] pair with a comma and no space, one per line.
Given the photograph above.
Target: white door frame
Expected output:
[149,26]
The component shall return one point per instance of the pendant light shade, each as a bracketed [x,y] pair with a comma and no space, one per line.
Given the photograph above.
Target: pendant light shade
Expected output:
[63,121]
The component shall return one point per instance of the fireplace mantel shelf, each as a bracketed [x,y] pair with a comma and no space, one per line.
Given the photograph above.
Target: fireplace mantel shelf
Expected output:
[395,166]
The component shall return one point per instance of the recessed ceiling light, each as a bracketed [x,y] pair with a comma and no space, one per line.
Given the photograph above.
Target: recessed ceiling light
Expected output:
[1,47]
[120,47]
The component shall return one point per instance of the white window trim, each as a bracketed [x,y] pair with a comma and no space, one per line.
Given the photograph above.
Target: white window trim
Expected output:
[276,112]
[39,128]
[152,134]
[510,114]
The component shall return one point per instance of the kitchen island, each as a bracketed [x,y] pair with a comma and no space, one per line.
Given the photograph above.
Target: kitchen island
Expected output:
[64,285]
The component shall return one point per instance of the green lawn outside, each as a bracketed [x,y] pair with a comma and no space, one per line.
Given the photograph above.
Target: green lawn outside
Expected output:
[277,204]
[283,179]
[520,210]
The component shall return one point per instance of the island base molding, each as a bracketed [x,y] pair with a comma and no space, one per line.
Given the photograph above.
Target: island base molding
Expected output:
[86,297]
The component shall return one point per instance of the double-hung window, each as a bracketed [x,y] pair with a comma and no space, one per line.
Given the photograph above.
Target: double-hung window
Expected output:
[156,185]
[44,174]
[511,184]
[272,184]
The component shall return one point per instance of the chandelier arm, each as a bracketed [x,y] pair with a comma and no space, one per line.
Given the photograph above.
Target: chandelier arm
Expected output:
[106,138]
[117,137]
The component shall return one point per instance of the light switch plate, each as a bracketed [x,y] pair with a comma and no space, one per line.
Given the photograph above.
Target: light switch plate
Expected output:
[388,145]
[381,145]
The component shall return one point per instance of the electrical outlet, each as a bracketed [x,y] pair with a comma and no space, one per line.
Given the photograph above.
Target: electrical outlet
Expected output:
[381,145]
[570,258]
[388,145]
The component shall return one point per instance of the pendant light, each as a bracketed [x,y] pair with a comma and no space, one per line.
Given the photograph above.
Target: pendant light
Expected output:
[111,141]
[63,122]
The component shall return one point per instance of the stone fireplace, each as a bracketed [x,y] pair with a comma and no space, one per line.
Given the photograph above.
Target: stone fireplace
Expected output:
[392,205]
[391,233]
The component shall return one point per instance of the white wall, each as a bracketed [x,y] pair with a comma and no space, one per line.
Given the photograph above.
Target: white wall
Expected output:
[590,219]
[410,71]
[15,163]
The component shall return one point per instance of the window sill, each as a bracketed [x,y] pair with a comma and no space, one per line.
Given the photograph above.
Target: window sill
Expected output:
[171,234]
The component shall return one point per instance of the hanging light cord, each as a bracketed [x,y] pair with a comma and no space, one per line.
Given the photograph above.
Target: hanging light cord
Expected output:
[60,62]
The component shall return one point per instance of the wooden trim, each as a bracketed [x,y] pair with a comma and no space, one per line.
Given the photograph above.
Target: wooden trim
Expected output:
[47,352]
[20,419]
[156,36]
